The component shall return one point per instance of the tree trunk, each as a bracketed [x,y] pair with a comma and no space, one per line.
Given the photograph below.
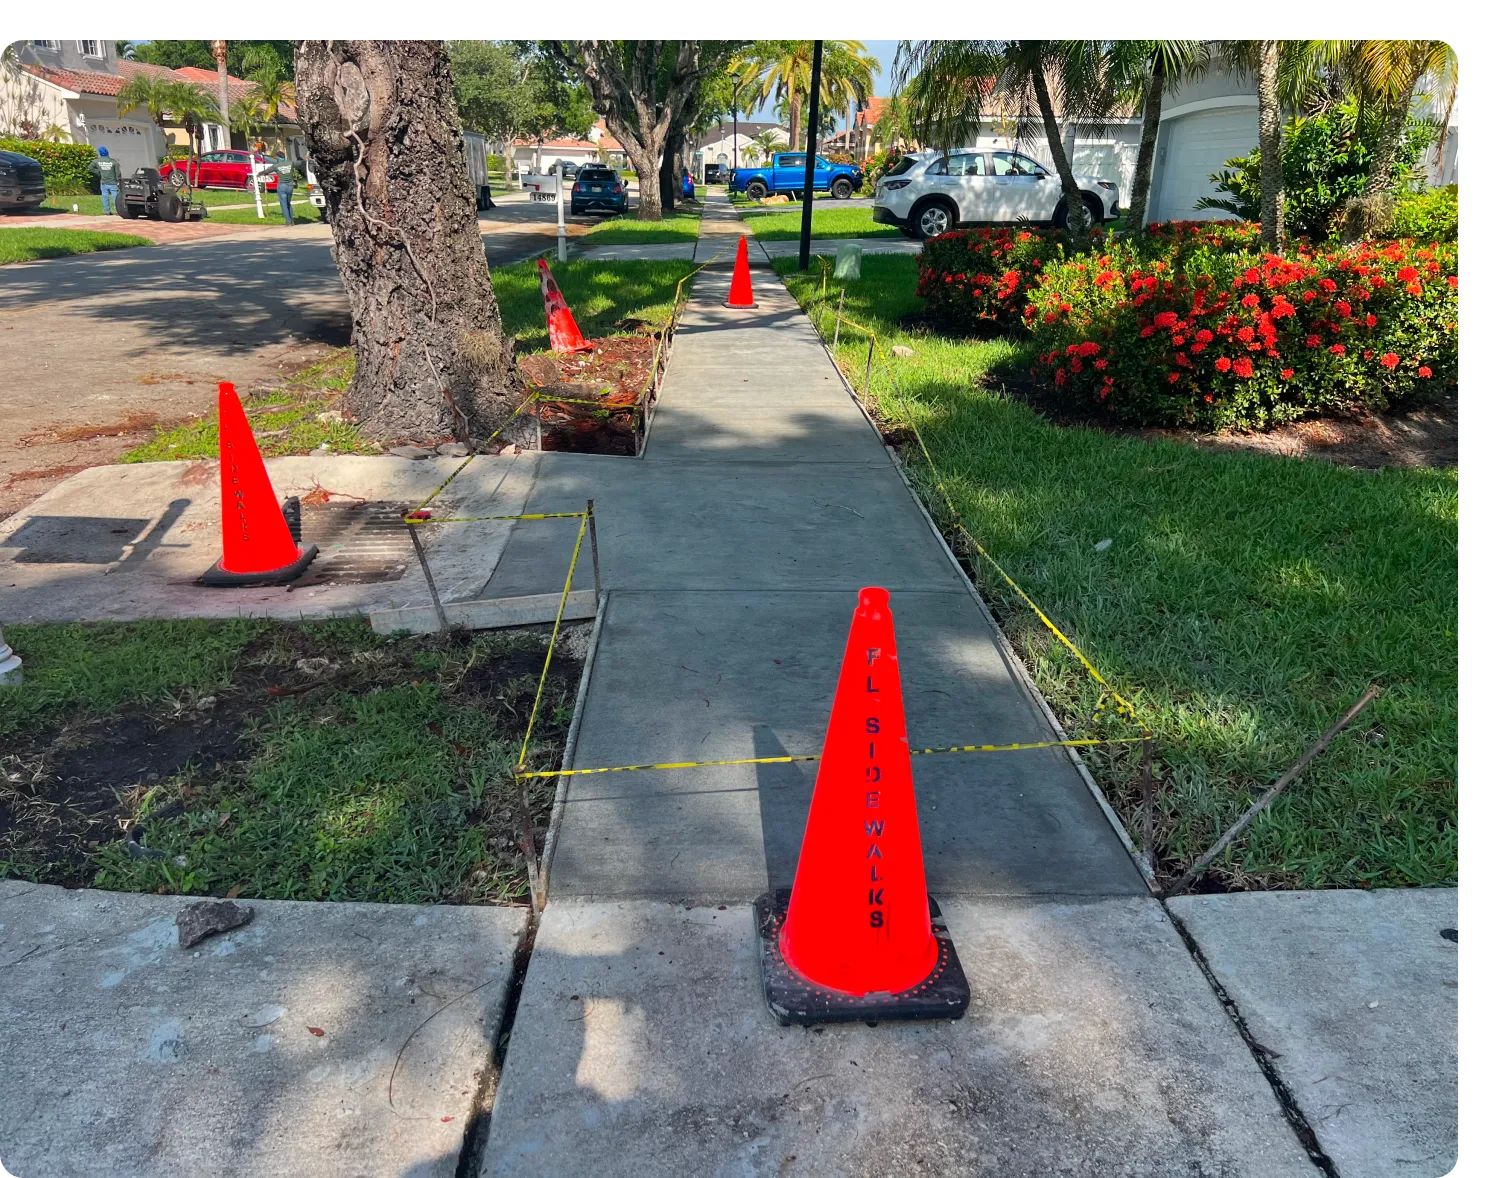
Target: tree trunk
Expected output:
[1076,211]
[1381,165]
[431,357]
[221,59]
[670,175]
[1271,162]
[509,159]
[1149,132]
[795,120]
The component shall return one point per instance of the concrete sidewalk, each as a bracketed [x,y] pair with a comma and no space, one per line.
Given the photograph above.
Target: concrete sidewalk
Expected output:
[732,554]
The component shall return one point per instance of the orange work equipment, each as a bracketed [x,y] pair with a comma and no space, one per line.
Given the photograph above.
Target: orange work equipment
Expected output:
[565,337]
[857,937]
[741,293]
[258,545]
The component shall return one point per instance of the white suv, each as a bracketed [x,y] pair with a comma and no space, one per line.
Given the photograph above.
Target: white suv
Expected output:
[931,193]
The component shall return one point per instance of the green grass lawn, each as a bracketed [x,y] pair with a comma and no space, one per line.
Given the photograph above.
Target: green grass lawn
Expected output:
[784,223]
[382,773]
[1245,602]
[629,230]
[600,295]
[301,214]
[93,205]
[293,419]
[27,245]
[299,416]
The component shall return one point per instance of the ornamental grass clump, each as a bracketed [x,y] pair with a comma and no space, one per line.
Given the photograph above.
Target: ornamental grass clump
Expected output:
[1247,340]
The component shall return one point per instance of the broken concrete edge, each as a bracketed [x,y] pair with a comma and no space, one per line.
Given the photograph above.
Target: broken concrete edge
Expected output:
[652,394]
[564,782]
[1001,640]
[486,613]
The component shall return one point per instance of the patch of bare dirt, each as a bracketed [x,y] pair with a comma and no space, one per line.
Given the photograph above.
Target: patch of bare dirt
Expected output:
[1425,438]
[593,402]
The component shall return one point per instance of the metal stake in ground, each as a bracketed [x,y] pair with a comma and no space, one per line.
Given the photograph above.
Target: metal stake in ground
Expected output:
[1274,791]
[868,374]
[426,571]
[1147,797]
[593,541]
[837,325]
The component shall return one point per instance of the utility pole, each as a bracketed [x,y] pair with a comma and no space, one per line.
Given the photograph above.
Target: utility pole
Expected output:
[804,258]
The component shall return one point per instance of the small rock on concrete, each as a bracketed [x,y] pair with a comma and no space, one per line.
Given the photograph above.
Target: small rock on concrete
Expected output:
[453,450]
[199,921]
[416,453]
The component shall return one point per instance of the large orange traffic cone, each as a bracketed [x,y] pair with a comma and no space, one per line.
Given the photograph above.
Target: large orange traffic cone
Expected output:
[741,293]
[258,546]
[857,937]
[565,337]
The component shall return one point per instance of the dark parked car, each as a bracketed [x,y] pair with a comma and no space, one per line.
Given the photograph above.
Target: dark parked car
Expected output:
[599,188]
[22,185]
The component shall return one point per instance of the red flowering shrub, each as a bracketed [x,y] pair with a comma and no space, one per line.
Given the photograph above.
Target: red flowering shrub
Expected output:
[1218,339]
[979,279]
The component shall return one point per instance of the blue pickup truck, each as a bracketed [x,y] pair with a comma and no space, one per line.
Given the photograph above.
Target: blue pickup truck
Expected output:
[786,173]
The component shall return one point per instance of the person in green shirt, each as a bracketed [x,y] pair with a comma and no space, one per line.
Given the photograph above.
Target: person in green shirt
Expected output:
[285,185]
[108,171]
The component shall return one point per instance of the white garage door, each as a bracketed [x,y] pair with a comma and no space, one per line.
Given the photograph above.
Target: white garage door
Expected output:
[1198,145]
[128,141]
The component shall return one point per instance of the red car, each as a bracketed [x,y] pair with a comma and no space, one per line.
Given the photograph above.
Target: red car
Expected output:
[225,169]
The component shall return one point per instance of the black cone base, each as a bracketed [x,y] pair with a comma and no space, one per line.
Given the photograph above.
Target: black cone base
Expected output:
[794,1000]
[220,578]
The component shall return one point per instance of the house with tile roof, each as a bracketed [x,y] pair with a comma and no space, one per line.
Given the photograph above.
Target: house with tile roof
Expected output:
[69,90]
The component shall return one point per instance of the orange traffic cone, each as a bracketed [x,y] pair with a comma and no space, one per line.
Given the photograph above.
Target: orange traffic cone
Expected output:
[857,937]
[741,293]
[258,547]
[565,336]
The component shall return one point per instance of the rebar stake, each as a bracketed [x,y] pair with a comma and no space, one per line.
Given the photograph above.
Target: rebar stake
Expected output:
[837,326]
[868,374]
[593,540]
[426,571]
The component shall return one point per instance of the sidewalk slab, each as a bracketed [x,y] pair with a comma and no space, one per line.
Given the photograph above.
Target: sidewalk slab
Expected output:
[664,251]
[125,1054]
[728,675]
[1355,994]
[1093,1046]
[116,543]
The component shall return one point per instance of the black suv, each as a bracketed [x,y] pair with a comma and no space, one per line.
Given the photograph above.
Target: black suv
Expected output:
[22,185]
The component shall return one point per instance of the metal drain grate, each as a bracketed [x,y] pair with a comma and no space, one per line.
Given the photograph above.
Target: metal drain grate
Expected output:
[358,543]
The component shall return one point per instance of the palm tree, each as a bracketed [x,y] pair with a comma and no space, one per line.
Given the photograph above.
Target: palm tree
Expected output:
[1147,69]
[767,143]
[194,108]
[952,85]
[1385,76]
[152,91]
[783,69]
[246,116]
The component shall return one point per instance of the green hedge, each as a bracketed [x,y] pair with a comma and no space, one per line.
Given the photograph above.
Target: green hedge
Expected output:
[1426,216]
[65,165]
[1246,339]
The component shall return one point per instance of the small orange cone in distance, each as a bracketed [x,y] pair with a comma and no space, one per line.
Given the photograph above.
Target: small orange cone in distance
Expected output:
[258,545]
[565,337]
[741,293]
[857,937]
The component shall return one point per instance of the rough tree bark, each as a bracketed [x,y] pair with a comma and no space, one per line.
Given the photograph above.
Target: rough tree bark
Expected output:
[637,100]
[1386,150]
[431,357]
[1149,132]
[1271,161]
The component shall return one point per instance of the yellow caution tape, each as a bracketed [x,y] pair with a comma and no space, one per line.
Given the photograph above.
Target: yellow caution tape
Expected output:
[956,748]
[556,627]
[415,518]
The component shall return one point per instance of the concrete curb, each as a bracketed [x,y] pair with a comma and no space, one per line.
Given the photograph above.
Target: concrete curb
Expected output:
[1016,665]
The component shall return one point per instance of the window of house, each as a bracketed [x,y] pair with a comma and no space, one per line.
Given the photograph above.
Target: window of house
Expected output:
[89,49]
[44,44]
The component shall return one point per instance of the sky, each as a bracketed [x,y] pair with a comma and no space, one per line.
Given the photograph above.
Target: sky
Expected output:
[884,51]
